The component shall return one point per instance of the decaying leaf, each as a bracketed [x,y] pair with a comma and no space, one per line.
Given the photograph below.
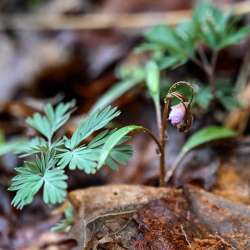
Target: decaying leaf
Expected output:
[224,218]
[168,223]
[141,217]
[103,211]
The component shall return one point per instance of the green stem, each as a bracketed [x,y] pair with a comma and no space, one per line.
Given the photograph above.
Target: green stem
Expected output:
[211,73]
[158,113]
[176,163]
[208,68]
[162,155]
[203,57]
[148,132]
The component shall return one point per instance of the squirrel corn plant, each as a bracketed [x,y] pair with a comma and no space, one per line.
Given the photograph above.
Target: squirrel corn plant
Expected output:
[49,154]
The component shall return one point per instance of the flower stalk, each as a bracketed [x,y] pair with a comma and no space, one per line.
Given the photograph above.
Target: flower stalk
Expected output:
[163,139]
[179,115]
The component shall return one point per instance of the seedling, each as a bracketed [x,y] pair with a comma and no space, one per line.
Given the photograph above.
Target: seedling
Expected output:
[49,154]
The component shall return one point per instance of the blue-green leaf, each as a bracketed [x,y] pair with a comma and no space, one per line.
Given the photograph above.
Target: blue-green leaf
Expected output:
[15,145]
[113,141]
[153,79]
[206,135]
[95,121]
[33,176]
[79,158]
[203,136]
[53,119]
[115,92]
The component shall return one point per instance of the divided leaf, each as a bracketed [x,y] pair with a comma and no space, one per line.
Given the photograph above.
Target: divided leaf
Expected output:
[14,145]
[217,28]
[53,119]
[171,47]
[86,157]
[34,146]
[32,176]
[119,155]
[49,157]
[112,141]
[95,121]
[55,186]
[60,115]
[79,158]
[26,183]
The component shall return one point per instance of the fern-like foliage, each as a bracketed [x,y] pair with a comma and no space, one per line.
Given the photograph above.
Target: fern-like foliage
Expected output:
[37,174]
[173,46]
[49,154]
[94,122]
[52,119]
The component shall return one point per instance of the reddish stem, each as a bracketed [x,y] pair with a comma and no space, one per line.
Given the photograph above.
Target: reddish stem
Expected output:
[163,139]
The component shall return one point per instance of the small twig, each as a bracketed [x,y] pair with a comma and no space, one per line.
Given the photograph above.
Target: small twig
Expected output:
[122,228]
[92,21]
[87,222]
[224,241]
[185,235]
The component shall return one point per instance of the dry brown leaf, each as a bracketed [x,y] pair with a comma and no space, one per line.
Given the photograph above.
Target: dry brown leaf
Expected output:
[99,206]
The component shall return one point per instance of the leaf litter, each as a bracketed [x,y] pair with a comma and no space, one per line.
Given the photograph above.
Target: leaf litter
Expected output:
[141,217]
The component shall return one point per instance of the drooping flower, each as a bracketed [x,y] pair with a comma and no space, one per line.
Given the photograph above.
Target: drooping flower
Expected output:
[180,116]
[177,114]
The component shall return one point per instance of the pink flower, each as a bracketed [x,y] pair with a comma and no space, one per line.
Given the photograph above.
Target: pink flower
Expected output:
[177,114]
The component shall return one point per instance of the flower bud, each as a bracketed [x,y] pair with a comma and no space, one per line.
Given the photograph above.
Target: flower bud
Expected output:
[180,116]
[177,114]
